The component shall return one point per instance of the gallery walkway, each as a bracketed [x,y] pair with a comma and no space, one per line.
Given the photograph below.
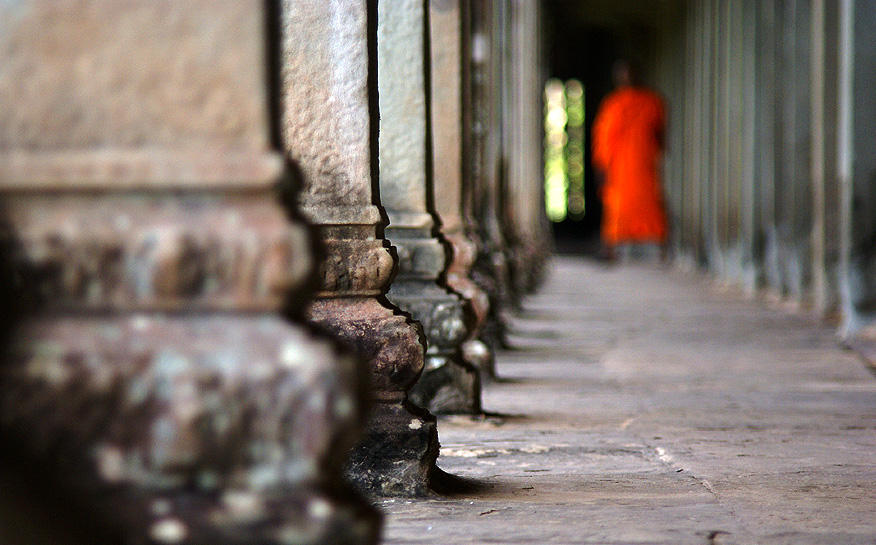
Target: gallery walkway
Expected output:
[645,405]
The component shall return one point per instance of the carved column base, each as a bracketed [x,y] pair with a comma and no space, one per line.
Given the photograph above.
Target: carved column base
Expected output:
[448,385]
[189,429]
[527,264]
[474,351]
[490,273]
[464,254]
[45,514]
[397,452]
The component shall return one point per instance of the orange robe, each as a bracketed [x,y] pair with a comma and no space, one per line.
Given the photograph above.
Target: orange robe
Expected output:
[627,141]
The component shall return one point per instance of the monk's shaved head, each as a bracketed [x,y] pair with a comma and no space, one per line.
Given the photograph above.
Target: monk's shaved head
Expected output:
[624,73]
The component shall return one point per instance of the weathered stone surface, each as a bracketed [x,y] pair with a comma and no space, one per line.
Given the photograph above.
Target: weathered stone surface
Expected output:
[490,273]
[206,252]
[325,95]
[134,390]
[328,129]
[401,83]
[154,385]
[706,419]
[445,63]
[388,342]
[445,24]
[474,351]
[448,383]
[159,75]
[391,460]
[213,429]
[354,267]
[396,455]
[483,138]
[420,255]
[523,216]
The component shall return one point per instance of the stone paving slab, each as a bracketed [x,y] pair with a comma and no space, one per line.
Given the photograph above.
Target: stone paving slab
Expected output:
[646,405]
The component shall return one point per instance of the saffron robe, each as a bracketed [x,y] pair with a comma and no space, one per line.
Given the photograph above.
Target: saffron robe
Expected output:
[627,142]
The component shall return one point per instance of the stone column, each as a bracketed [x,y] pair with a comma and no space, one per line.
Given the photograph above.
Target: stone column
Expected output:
[750,208]
[767,143]
[523,215]
[794,202]
[154,388]
[448,384]
[823,167]
[329,123]
[856,171]
[490,270]
[445,24]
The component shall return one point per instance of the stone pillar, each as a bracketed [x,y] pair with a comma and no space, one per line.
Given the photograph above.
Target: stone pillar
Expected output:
[330,122]
[448,384]
[794,203]
[523,214]
[712,115]
[486,165]
[446,40]
[154,386]
[856,170]
[734,129]
[700,195]
[686,229]
[825,189]
[750,203]
[768,144]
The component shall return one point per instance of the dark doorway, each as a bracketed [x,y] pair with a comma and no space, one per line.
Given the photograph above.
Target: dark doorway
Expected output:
[582,41]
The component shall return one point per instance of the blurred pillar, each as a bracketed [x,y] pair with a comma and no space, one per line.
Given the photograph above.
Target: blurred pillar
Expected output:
[447,385]
[734,59]
[825,191]
[750,203]
[446,23]
[793,186]
[155,376]
[330,122]
[486,164]
[768,143]
[856,168]
[523,215]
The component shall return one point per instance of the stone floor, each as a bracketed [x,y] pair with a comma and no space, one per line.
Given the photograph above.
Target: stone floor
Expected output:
[645,405]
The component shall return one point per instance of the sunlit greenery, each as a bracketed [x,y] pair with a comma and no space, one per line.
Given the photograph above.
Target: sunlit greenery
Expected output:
[575,147]
[564,150]
[556,181]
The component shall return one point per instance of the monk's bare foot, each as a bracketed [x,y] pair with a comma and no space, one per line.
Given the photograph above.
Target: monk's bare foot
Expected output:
[607,255]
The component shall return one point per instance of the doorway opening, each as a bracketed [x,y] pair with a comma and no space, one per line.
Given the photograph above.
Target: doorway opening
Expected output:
[582,41]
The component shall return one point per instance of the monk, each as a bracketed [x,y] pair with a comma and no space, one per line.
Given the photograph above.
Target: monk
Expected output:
[627,143]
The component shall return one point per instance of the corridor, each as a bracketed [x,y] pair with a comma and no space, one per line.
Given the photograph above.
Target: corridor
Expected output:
[649,405]
[259,257]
